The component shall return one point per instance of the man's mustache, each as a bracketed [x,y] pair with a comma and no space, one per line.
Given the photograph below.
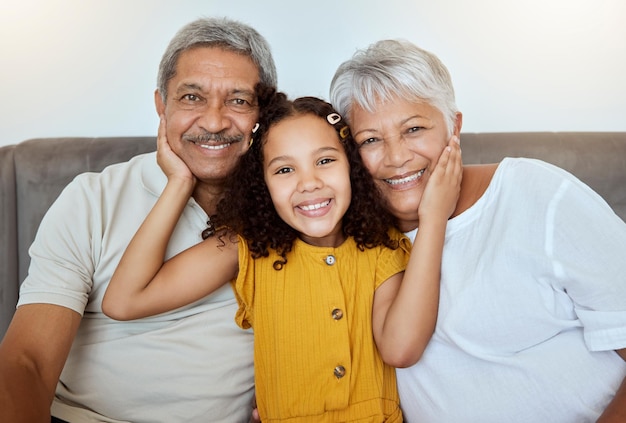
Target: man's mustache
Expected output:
[215,137]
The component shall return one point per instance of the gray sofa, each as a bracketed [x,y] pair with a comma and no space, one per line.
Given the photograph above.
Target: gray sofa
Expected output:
[33,173]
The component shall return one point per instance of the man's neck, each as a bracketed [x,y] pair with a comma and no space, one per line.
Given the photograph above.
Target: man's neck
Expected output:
[207,196]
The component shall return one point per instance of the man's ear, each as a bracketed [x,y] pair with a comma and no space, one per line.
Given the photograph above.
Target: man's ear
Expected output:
[158,103]
[458,123]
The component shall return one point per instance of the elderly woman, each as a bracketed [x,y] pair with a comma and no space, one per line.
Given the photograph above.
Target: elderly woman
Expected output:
[532,313]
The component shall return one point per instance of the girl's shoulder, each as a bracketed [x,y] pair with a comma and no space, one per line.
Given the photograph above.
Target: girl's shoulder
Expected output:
[404,243]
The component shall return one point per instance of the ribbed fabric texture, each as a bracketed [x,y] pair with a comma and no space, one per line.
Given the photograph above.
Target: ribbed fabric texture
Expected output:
[301,345]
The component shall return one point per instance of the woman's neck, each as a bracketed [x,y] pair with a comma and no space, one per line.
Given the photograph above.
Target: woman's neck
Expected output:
[476,179]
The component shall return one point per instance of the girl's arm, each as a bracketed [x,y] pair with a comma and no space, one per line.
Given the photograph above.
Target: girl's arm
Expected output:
[406,305]
[142,285]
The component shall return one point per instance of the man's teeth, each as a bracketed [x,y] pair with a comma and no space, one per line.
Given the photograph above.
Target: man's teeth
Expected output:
[315,206]
[407,179]
[213,146]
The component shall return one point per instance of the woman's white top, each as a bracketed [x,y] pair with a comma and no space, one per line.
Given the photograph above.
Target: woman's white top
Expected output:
[533,303]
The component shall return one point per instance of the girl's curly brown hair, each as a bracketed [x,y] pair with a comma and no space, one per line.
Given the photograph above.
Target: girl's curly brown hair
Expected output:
[247,207]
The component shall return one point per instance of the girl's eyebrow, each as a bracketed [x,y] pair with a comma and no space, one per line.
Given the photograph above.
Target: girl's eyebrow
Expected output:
[285,157]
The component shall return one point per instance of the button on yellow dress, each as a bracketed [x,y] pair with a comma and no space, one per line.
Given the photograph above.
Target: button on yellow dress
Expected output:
[314,351]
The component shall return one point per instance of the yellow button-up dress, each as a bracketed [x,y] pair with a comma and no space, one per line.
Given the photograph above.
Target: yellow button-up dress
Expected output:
[315,356]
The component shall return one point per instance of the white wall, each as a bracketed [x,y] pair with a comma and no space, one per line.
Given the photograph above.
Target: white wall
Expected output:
[88,68]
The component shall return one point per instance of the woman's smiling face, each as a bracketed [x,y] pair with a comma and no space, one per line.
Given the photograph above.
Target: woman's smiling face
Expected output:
[400,143]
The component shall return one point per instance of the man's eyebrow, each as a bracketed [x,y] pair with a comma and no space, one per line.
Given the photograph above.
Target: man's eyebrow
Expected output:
[244,91]
[188,87]
[197,87]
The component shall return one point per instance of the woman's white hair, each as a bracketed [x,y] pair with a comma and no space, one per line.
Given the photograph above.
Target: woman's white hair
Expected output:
[393,68]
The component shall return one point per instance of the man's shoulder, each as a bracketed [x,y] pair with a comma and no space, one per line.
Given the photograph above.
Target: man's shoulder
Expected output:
[139,163]
[133,170]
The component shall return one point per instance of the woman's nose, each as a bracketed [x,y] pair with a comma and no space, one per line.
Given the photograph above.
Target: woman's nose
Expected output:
[397,152]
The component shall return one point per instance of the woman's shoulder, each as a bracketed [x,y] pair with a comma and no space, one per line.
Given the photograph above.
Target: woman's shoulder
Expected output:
[532,171]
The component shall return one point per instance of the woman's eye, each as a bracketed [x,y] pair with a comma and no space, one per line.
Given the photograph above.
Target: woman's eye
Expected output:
[368,141]
[414,129]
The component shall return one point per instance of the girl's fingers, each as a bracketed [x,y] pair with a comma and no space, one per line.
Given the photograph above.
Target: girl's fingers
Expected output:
[454,158]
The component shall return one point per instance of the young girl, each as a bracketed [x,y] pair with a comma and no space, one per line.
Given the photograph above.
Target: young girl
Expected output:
[316,264]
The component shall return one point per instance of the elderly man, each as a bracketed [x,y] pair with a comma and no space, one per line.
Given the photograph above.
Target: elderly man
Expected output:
[194,364]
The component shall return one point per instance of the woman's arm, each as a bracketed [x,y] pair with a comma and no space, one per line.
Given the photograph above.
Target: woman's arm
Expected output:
[615,412]
[406,305]
[142,284]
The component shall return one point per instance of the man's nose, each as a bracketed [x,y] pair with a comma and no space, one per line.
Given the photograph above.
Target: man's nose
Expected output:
[214,117]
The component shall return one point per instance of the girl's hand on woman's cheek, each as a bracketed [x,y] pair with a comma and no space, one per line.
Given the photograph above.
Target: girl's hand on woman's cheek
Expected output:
[444,185]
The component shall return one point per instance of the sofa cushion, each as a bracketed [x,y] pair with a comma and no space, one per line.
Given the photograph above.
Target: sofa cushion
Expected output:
[8,238]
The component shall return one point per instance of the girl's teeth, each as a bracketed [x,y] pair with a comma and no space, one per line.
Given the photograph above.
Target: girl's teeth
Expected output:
[315,206]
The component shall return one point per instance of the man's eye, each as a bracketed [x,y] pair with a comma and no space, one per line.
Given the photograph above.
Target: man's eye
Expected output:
[191,98]
[240,105]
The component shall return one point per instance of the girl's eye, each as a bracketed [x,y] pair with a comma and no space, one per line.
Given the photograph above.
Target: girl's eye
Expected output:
[283,170]
[325,161]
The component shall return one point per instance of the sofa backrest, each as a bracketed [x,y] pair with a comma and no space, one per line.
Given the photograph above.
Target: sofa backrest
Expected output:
[34,172]
[596,158]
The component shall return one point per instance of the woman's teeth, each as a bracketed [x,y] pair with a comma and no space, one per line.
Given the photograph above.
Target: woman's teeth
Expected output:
[410,178]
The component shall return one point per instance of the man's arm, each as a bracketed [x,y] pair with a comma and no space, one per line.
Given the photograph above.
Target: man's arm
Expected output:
[32,356]
[616,411]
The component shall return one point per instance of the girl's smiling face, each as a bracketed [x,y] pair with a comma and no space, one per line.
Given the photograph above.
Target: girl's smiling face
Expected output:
[308,176]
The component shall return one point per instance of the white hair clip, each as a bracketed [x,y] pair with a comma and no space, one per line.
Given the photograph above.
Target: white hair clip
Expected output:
[333,118]
[256,127]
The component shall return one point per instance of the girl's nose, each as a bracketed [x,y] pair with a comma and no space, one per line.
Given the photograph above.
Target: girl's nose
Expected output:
[309,181]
